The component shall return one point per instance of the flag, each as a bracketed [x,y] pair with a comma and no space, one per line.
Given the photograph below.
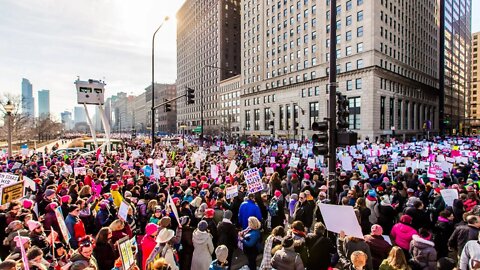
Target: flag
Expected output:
[24,255]
[174,208]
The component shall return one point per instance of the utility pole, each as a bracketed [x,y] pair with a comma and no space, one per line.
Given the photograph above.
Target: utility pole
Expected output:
[332,158]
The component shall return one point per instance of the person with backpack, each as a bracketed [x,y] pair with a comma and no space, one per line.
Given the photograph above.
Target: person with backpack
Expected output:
[276,209]
[319,248]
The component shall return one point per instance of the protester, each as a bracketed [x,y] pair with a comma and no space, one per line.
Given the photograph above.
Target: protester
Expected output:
[203,247]
[395,260]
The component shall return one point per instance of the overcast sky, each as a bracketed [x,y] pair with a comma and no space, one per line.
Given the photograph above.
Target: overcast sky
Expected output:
[51,42]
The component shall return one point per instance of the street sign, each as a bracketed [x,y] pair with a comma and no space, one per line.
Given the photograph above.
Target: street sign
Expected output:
[198,129]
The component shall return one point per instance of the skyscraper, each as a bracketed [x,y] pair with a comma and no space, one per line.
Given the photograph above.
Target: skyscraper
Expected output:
[79,115]
[455,55]
[475,82]
[43,103]
[28,104]
[67,120]
[208,51]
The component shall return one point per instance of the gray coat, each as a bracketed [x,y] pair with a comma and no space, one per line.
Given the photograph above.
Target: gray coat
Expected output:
[287,259]
[203,249]
[424,253]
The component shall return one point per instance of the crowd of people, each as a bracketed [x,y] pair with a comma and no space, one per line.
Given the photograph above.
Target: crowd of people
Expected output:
[191,207]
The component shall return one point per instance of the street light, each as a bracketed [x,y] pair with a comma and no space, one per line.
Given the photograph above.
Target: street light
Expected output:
[9,107]
[202,120]
[302,128]
[153,80]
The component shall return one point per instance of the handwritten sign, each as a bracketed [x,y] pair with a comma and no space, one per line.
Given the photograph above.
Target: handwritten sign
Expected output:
[233,167]
[254,181]
[126,252]
[231,192]
[269,170]
[294,161]
[449,195]
[80,171]
[7,179]
[123,210]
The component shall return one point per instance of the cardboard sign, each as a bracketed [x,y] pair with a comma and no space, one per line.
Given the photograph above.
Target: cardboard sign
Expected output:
[214,171]
[29,184]
[254,181]
[16,166]
[311,163]
[363,171]
[269,170]
[80,171]
[346,163]
[7,179]
[126,253]
[294,161]
[12,192]
[61,223]
[231,192]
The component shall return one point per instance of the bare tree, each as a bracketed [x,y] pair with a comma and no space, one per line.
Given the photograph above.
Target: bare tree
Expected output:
[21,123]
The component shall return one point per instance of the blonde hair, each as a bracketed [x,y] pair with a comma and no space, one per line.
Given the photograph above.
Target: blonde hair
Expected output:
[254,223]
[396,258]
[151,205]
[117,225]
[85,191]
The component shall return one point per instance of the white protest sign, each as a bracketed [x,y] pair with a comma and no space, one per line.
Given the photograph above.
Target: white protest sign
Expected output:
[80,171]
[233,167]
[170,172]
[253,179]
[449,195]
[29,183]
[123,210]
[341,218]
[7,179]
[135,153]
[214,171]
[272,160]
[346,163]
[363,171]
[231,192]
[311,163]
[269,170]
[294,161]
[446,166]
[16,165]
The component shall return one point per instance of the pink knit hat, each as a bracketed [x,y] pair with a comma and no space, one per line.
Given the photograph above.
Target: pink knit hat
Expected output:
[27,203]
[277,193]
[151,228]
[377,229]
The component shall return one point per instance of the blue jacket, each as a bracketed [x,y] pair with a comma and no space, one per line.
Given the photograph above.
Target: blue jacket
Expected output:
[251,238]
[70,222]
[216,266]
[247,209]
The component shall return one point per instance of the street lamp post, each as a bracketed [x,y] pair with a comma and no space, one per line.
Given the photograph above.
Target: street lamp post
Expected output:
[153,80]
[302,128]
[9,107]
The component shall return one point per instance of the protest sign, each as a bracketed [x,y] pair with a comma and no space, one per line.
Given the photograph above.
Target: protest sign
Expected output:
[311,163]
[26,263]
[173,208]
[391,166]
[123,210]
[272,160]
[253,179]
[269,170]
[12,192]
[294,161]
[61,223]
[170,172]
[231,192]
[449,195]
[16,166]
[135,153]
[214,171]
[29,184]
[80,171]
[341,218]
[384,168]
[363,171]
[7,179]
[233,167]
[346,163]
[126,253]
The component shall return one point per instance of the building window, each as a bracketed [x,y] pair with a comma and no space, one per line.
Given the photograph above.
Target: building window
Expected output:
[266,112]
[348,50]
[349,5]
[348,36]
[314,113]
[360,63]
[348,66]
[354,104]
[256,119]
[360,16]
[281,112]
[399,114]
[360,47]
[360,31]
[382,112]
[391,112]
[358,83]
[348,20]
[247,120]
[349,85]
[288,121]
[412,116]
[405,120]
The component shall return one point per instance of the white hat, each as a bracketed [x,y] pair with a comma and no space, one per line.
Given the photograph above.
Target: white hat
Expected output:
[165,235]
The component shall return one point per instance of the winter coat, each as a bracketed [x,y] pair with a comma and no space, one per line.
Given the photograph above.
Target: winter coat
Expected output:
[379,249]
[92,262]
[441,233]
[117,198]
[346,247]
[50,220]
[471,251]
[319,248]
[203,249]
[40,240]
[76,229]
[105,253]
[304,213]
[287,259]
[461,235]
[186,253]
[386,217]
[147,245]
[216,266]
[228,235]
[402,235]
[247,209]
[424,253]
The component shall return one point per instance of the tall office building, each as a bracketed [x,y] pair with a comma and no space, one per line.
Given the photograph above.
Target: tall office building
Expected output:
[165,122]
[79,115]
[475,83]
[387,65]
[28,104]
[208,51]
[44,103]
[455,39]
[67,120]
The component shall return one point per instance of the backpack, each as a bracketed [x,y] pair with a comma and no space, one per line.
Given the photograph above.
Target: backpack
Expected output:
[273,207]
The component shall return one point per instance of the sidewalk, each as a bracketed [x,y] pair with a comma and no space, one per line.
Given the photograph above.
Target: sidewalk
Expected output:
[49,146]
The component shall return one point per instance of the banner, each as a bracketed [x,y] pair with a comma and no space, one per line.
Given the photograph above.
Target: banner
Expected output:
[12,192]
[61,223]
[231,192]
[253,179]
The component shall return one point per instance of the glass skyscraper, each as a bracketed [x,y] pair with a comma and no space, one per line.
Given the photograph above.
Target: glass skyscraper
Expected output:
[455,20]
[28,105]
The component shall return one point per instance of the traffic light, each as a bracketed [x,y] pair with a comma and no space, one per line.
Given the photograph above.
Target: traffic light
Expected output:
[271,125]
[190,95]
[168,107]
[342,112]
[320,138]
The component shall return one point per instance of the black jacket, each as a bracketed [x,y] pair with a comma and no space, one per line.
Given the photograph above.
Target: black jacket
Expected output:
[227,235]
[319,248]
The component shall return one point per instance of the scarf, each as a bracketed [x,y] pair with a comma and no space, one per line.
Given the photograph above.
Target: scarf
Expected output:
[299,233]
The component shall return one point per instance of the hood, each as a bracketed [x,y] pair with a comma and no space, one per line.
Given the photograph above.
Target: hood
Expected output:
[419,242]
[200,237]
[287,255]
